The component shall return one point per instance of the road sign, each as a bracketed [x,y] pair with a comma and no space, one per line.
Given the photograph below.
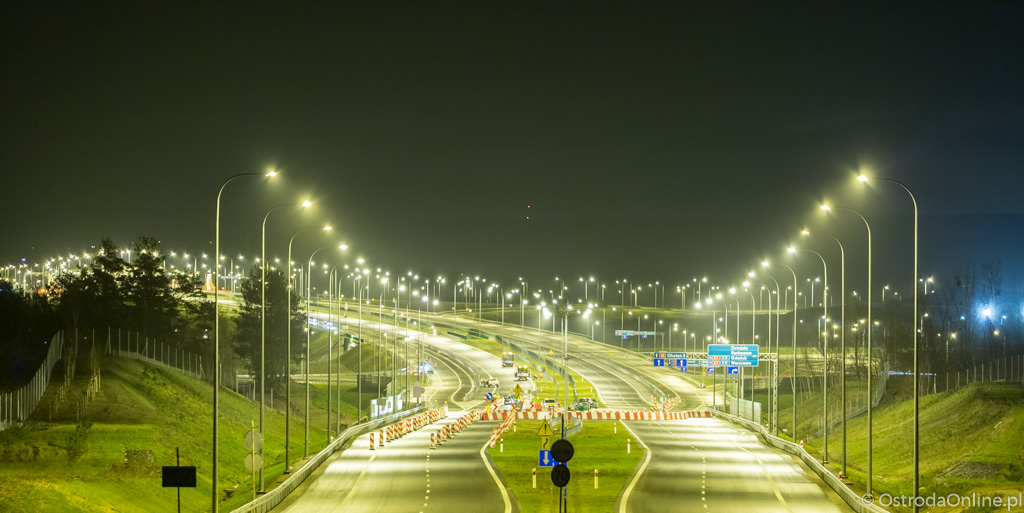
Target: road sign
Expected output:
[709,370]
[562,451]
[625,333]
[672,355]
[545,429]
[489,396]
[545,443]
[682,368]
[734,370]
[173,477]
[545,459]
[659,362]
[253,440]
[744,355]
[517,391]
[253,462]
[560,475]
[694,362]
[680,362]
[737,355]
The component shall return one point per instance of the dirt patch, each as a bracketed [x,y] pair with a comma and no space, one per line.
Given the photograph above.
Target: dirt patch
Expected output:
[974,470]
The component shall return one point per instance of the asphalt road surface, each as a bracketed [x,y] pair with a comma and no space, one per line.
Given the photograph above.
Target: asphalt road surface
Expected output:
[710,465]
[690,465]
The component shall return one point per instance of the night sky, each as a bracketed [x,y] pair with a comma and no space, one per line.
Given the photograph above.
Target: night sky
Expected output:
[649,140]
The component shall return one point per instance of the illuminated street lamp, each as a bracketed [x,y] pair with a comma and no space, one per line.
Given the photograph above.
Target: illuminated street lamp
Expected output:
[216,337]
[824,353]
[917,374]
[288,357]
[263,320]
[828,208]
[765,264]
[842,308]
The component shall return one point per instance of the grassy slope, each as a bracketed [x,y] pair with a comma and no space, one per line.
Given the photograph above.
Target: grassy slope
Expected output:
[143,407]
[980,423]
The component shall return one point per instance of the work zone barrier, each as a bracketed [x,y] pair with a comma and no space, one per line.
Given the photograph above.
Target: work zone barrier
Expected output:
[397,430]
[601,415]
[273,497]
[449,430]
[497,432]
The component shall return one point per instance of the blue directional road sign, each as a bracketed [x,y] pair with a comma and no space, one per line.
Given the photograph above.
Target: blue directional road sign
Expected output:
[682,368]
[659,362]
[709,370]
[680,362]
[738,355]
[675,355]
[734,370]
[546,460]
[743,355]
[694,362]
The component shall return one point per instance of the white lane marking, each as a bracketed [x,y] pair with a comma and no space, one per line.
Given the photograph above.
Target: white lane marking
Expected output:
[494,475]
[355,486]
[636,477]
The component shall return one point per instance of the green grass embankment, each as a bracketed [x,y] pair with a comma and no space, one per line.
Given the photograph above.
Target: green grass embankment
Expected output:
[141,407]
[596,447]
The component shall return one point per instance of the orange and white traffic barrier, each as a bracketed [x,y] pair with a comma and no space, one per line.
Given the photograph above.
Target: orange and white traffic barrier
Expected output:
[431,440]
[371,440]
[382,438]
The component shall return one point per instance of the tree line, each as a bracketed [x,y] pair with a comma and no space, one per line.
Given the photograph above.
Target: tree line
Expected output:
[143,296]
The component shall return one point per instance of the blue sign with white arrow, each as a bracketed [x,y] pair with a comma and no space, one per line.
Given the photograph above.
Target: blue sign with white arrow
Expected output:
[546,460]
[734,370]
[659,362]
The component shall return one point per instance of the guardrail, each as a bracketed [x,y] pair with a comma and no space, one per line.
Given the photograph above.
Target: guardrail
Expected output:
[852,499]
[274,497]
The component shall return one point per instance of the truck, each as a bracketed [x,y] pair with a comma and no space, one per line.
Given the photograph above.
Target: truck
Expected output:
[522,373]
[508,359]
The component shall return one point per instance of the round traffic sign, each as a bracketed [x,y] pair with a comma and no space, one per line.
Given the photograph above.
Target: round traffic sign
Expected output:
[562,451]
[560,475]
[253,462]
[253,440]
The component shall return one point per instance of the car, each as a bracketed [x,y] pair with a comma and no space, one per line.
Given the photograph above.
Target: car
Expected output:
[489,382]
[580,405]
[550,403]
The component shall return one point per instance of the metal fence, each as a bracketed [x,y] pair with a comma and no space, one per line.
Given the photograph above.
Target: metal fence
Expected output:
[154,353]
[16,406]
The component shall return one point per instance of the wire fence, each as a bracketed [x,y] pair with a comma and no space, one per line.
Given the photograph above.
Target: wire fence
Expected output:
[154,352]
[17,405]
[1009,369]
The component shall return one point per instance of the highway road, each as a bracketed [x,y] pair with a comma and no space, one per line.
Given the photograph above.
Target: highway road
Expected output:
[712,465]
[406,475]
[690,465]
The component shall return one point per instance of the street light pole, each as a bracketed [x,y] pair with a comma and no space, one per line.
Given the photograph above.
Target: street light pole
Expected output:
[794,345]
[824,352]
[917,374]
[263,323]
[309,281]
[288,357]
[842,303]
[216,336]
[869,391]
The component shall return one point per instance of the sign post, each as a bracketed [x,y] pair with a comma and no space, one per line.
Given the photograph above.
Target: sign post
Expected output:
[178,476]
